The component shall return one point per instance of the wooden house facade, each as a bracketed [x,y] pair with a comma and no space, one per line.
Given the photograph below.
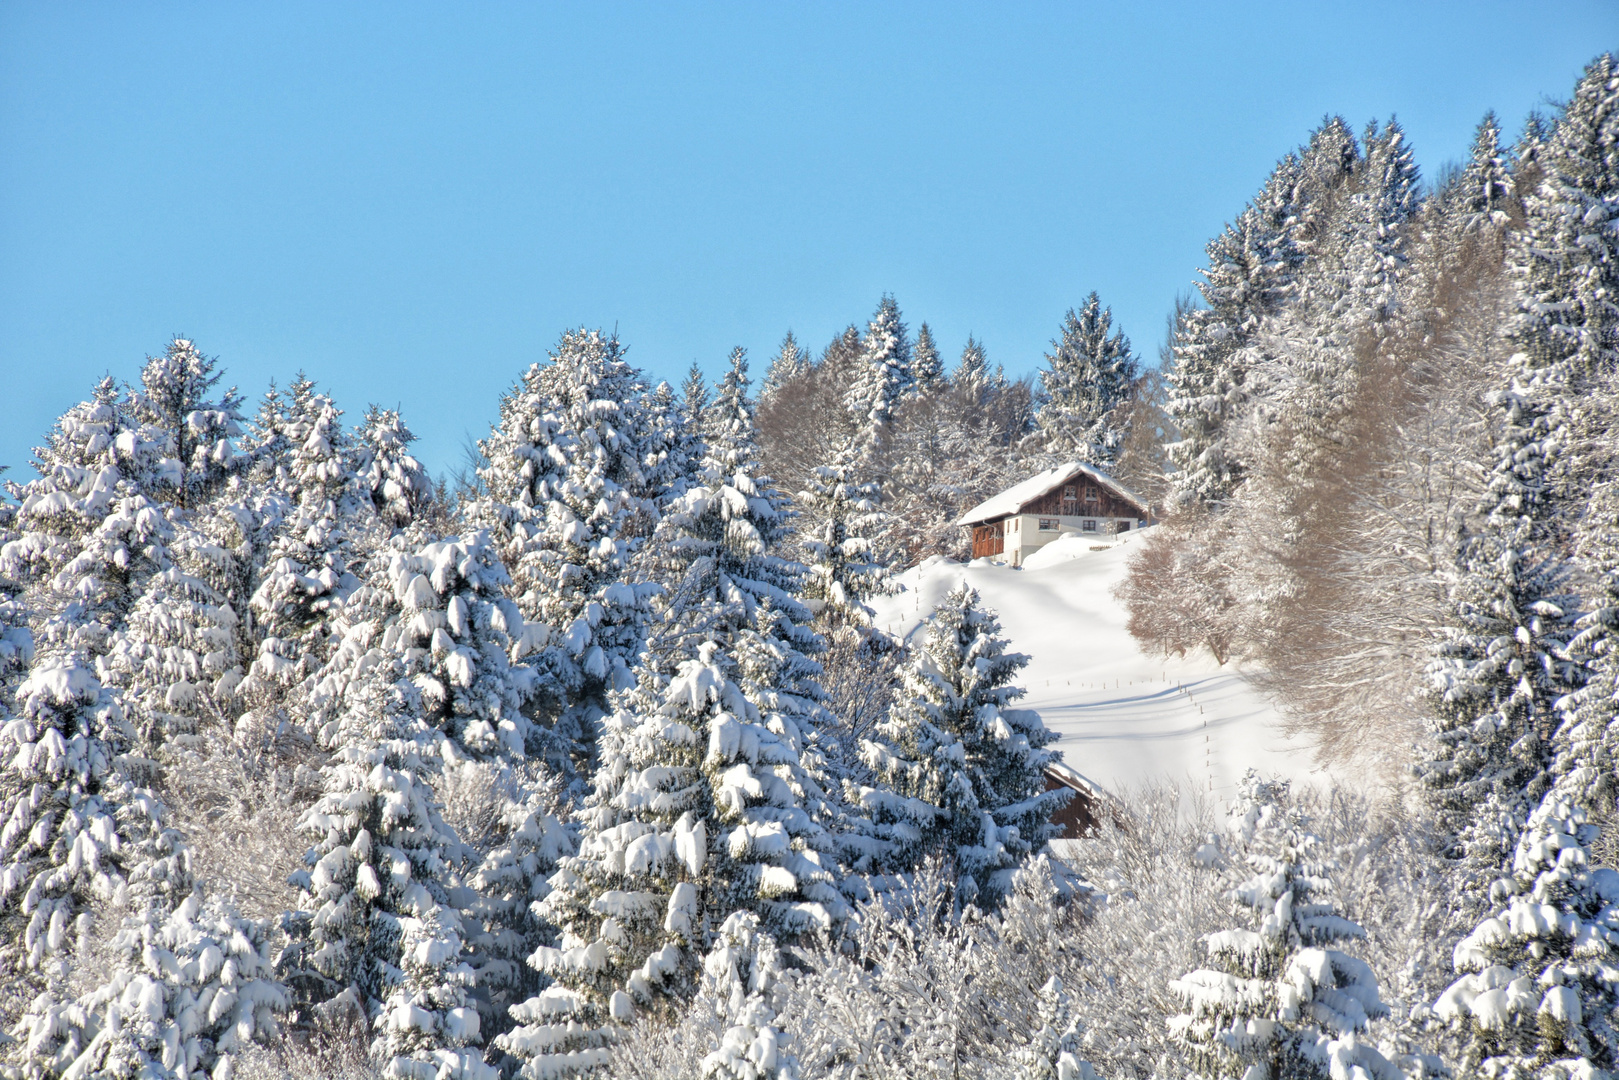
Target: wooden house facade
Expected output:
[1070,499]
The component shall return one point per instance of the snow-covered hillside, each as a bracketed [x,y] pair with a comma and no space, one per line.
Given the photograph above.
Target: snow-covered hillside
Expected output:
[1126,717]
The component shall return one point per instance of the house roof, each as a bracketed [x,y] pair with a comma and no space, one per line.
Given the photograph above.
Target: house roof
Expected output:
[1012,499]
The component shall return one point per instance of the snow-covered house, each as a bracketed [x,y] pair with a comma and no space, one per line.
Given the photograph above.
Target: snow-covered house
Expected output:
[1070,498]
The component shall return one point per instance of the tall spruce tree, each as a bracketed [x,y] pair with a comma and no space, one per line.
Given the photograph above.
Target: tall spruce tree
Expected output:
[1281,1000]
[564,488]
[927,370]
[882,376]
[961,772]
[791,363]
[1505,661]
[1088,382]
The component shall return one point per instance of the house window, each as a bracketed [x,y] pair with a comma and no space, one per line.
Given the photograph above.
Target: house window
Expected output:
[1089,525]
[1049,524]
[1068,492]
[1121,526]
[1015,523]
[1090,494]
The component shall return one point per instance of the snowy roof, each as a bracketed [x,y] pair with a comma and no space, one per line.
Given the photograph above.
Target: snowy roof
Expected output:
[1073,778]
[1012,499]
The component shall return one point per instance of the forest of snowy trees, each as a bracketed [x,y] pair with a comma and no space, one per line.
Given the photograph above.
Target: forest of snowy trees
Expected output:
[592,761]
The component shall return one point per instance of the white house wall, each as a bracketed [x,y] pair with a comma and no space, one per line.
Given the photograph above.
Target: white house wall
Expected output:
[1022,534]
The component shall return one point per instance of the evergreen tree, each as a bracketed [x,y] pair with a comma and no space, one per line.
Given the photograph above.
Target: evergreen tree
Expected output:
[1505,659]
[790,364]
[723,539]
[743,978]
[973,367]
[177,660]
[397,483]
[694,400]
[1318,349]
[73,830]
[307,573]
[1086,386]
[381,866]
[960,772]
[435,621]
[840,549]
[673,447]
[1484,193]
[175,403]
[1536,995]
[1053,1053]
[564,487]
[1250,268]
[455,633]
[927,370]
[881,377]
[1567,260]
[187,993]
[1586,760]
[267,446]
[697,812]
[1281,1001]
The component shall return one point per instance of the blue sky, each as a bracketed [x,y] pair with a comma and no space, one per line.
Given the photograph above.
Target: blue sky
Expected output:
[411,201]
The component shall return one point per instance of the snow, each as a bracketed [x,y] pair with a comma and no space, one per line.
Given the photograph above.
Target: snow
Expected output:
[1125,718]
[1013,498]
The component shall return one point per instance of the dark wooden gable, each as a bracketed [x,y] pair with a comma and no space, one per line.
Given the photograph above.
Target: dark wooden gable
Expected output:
[1081,496]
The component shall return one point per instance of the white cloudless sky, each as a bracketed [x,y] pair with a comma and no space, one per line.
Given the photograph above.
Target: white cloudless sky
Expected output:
[411,201]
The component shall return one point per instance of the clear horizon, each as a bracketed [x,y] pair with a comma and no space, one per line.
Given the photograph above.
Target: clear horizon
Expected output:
[412,207]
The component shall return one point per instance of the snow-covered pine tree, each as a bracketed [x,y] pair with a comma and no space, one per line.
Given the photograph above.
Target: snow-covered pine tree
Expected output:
[87,535]
[1567,261]
[1484,194]
[881,377]
[1091,374]
[381,922]
[790,363]
[927,369]
[961,772]
[697,812]
[972,369]
[563,486]
[1504,661]
[703,804]
[1536,995]
[436,619]
[673,447]
[455,634]
[1053,1052]
[694,398]
[175,402]
[1586,757]
[742,982]
[307,572]
[1317,353]
[1499,669]
[187,991]
[266,445]
[840,549]
[1250,268]
[722,541]
[398,484]
[73,830]
[177,660]
[1281,1000]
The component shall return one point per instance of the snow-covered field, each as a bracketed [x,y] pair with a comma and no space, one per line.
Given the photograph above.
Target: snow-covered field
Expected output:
[1125,717]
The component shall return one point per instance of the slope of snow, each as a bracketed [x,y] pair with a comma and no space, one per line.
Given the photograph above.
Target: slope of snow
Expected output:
[1126,718]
